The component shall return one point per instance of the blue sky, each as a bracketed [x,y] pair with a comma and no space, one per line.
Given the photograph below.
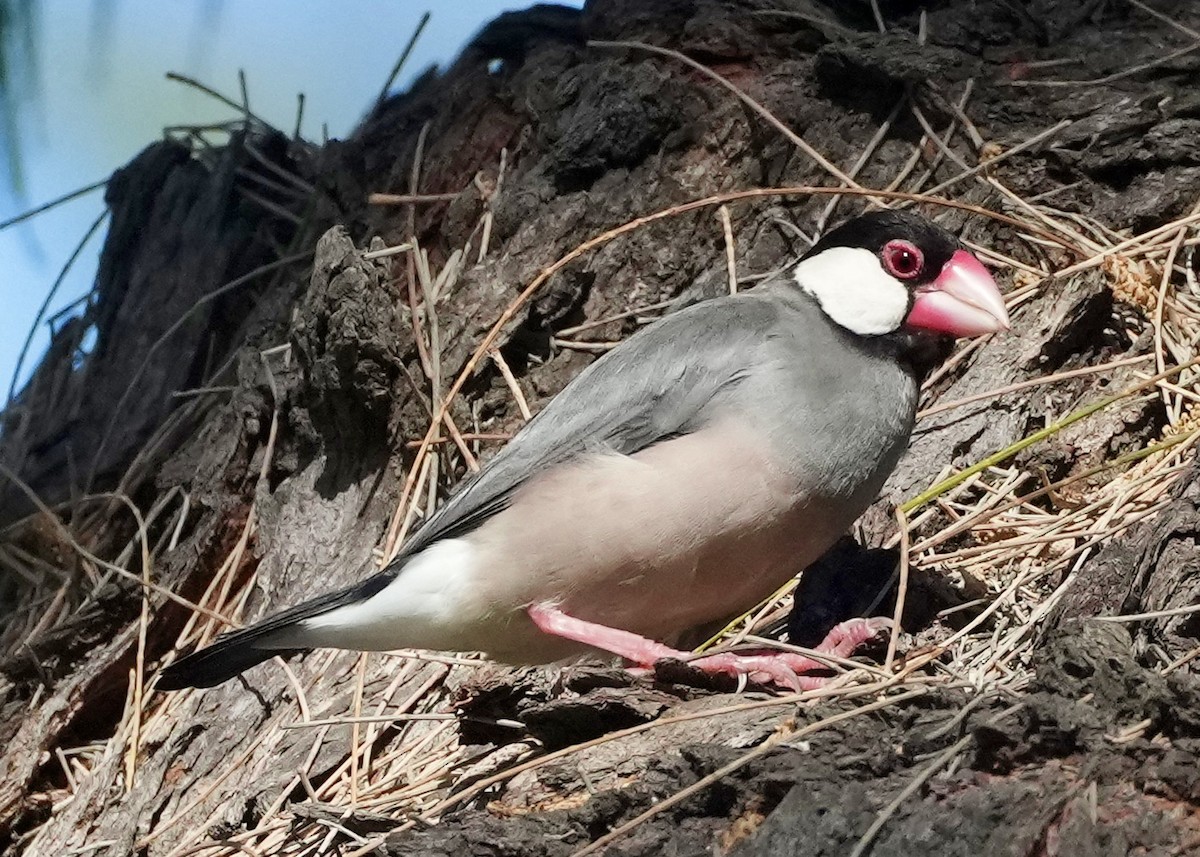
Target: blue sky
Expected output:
[100,95]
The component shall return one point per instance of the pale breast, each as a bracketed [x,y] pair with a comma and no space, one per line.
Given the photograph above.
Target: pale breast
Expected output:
[685,532]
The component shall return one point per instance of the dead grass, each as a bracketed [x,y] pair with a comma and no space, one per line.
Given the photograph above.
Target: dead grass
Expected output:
[1019,540]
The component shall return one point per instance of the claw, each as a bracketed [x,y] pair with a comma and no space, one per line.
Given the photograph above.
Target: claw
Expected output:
[843,639]
[786,669]
[780,668]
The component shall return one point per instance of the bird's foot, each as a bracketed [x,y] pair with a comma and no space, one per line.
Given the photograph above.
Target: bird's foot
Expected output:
[788,669]
[844,638]
[791,669]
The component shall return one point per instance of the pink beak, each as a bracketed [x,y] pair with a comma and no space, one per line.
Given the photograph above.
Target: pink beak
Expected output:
[962,301]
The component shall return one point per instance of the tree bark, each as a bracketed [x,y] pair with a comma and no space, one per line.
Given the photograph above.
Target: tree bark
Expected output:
[260,380]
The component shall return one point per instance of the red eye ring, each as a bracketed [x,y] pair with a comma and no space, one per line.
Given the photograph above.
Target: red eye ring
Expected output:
[902,259]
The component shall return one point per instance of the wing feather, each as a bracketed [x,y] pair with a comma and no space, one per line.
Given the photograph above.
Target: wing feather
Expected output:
[661,383]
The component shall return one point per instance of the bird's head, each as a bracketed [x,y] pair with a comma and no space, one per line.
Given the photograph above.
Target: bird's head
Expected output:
[892,273]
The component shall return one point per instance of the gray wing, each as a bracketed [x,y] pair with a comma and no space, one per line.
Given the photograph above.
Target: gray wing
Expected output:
[662,382]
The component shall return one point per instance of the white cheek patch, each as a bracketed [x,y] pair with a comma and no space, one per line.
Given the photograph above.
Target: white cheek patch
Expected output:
[854,290]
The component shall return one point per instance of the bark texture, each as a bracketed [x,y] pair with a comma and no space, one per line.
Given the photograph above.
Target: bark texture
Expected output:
[256,383]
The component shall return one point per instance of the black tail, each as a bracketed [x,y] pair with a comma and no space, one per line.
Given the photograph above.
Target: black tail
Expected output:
[233,653]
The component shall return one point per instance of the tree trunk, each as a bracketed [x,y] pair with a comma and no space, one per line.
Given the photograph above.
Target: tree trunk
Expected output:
[247,431]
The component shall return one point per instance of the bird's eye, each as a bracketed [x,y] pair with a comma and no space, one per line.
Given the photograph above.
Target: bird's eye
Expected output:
[902,259]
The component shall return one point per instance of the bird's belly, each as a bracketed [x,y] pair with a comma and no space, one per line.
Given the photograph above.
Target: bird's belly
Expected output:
[684,533]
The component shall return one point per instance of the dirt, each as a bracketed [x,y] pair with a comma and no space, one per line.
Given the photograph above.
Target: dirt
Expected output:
[593,136]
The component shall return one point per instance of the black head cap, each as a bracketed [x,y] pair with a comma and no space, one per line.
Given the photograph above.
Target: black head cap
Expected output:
[874,230]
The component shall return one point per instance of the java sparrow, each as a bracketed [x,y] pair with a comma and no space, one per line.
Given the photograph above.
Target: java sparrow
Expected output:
[677,481]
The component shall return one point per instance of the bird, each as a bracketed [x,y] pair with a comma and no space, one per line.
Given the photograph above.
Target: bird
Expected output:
[678,480]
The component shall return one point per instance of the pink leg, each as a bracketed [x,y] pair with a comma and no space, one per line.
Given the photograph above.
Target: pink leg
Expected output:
[784,668]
